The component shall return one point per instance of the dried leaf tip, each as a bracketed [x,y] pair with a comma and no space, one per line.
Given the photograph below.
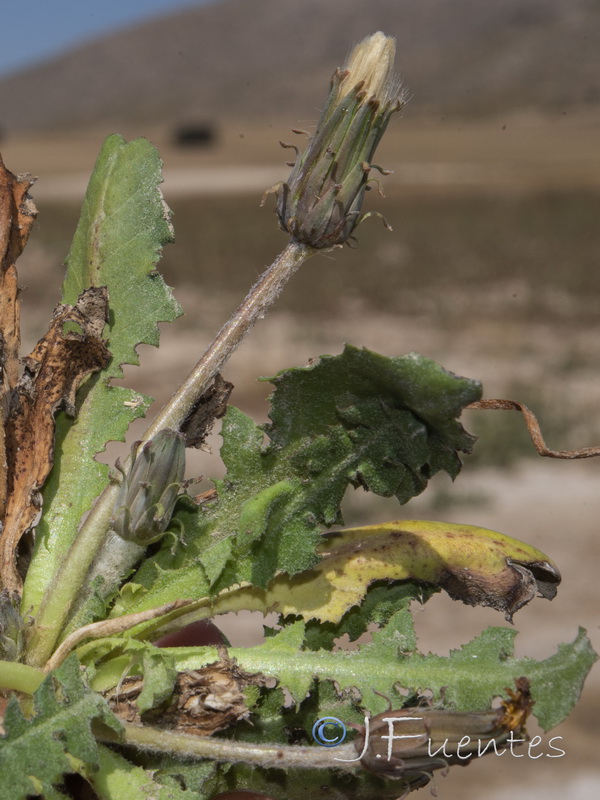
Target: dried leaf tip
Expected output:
[320,205]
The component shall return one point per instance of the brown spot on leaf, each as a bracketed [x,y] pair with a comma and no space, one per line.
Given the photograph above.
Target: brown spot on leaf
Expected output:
[52,374]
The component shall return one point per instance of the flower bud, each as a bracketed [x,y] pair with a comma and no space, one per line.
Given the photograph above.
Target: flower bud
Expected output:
[149,489]
[321,202]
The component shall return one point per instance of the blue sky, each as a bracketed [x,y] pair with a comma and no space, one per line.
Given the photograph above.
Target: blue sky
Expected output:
[36,29]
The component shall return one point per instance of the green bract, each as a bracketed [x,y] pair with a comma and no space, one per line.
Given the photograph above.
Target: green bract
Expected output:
[148,492]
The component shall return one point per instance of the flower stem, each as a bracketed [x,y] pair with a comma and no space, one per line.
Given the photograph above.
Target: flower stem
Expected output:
[62,593]
[343,757]
[258,301]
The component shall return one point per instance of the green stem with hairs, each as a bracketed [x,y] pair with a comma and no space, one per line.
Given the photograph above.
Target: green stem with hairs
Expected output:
[58,600]
[279,756]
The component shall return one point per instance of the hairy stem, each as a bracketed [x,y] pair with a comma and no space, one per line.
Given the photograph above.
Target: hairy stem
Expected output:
[108,627]
[58,601]
[344,757]
[115,559]
[258,301]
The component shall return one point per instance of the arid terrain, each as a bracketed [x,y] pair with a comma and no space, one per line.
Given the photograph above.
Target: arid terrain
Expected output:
[266,59]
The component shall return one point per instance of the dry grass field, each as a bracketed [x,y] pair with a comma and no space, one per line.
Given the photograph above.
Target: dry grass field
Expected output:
[492,269]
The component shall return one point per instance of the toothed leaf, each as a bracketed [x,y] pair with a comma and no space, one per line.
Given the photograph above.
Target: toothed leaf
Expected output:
[37,751]
[362,419]
[123,226]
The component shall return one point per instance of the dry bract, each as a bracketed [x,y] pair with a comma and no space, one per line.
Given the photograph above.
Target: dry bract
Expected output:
[203,701]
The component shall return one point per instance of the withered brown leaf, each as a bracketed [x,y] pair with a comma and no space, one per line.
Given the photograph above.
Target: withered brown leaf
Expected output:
[52,373]
[203,701]
[17,214]
[209,408]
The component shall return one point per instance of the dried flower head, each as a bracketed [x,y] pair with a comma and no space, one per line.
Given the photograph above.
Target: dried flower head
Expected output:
[320,205]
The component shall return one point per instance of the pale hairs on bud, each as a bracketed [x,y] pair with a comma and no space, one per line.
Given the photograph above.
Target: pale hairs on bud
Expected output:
[372,61]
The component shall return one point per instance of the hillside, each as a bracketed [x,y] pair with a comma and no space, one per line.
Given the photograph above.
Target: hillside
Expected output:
[240,58]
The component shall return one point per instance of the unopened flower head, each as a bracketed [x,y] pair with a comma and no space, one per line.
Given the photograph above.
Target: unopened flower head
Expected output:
[320,205]
[371,64]
[149,489]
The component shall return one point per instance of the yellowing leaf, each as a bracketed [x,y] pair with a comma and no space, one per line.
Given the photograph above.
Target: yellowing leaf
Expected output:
[475,565]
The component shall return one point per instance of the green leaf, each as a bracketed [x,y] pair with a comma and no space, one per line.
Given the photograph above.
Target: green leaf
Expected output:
[466,680]
[275,720]
[159,678]
[123,225]
[556,683]
[36,752]
[117,778]
[362,419]
[131,657]
[399,413]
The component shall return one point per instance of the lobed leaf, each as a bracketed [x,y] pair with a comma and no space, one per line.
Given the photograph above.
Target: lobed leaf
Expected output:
[472,564]
[466,680]
[400,413]
[475,565]
[37,751]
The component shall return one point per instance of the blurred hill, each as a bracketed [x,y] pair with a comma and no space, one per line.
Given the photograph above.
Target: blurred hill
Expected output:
[241,58]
